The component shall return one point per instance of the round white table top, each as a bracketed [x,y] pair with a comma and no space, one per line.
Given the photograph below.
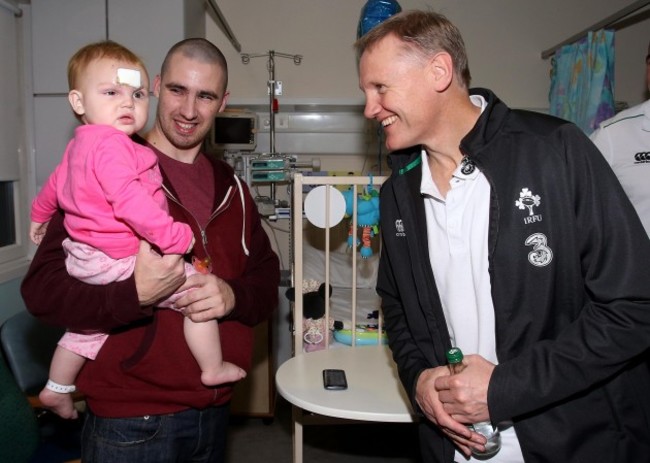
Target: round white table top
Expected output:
[374,391]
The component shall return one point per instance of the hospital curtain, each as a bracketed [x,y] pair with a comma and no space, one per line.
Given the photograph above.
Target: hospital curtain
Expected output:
[582,81]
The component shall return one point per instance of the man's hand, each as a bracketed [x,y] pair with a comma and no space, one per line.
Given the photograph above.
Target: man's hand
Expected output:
[464,395]
[156,276]
[210,297]
[427,398]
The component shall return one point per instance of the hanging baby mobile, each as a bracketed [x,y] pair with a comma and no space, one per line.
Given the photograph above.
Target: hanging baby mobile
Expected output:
[342,204]
[367,218]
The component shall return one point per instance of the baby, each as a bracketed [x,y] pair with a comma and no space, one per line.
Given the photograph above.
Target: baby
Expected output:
[110,189]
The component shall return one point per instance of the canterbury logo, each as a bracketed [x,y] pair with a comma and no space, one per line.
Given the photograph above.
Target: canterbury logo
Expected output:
[643,156]
[399,228]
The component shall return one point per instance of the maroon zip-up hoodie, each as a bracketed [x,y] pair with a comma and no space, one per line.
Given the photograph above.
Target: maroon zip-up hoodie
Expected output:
[145,366]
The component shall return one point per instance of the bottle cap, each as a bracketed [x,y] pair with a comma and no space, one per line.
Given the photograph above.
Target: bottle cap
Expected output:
[454,355]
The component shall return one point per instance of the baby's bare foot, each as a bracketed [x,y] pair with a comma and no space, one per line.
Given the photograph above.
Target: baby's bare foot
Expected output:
[61,404]
[226,373]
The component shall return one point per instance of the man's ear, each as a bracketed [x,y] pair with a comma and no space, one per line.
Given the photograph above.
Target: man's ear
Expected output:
[442,70]
[224,101]
[156,86]
[76,101]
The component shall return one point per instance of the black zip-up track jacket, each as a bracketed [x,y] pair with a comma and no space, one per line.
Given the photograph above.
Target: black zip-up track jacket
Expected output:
[569,265]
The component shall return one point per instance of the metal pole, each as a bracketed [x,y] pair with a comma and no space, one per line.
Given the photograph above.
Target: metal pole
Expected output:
[605,23]
[297,59]
[15,9]
[221,21]
[271,66]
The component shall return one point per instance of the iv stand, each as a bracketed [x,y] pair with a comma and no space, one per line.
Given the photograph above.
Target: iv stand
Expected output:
[297,59]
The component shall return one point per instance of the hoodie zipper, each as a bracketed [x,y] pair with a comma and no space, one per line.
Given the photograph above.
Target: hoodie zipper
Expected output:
[223,206]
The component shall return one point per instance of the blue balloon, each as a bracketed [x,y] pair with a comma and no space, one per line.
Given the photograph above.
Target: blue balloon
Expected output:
[375,12]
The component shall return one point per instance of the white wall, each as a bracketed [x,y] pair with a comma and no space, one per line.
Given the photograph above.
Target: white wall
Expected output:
[12,156]
[504,39]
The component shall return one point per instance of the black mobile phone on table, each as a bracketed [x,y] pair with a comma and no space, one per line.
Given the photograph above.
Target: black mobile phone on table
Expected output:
[334,379]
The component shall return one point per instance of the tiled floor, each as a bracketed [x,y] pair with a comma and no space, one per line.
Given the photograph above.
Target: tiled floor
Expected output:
[252,440]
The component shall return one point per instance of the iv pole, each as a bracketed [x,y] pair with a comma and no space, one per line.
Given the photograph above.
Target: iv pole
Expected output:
[297,59]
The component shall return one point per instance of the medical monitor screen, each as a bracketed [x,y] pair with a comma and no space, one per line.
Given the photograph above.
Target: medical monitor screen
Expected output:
[234,131]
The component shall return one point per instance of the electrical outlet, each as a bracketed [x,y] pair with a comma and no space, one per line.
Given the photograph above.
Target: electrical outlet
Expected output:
[281,121]
[278,88]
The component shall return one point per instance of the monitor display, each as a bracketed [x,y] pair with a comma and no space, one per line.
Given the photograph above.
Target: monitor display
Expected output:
[234,131]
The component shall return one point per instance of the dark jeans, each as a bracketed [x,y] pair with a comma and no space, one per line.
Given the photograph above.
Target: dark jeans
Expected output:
[197,436]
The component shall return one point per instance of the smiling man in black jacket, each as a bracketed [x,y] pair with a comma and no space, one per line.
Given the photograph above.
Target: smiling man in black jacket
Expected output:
[506,234]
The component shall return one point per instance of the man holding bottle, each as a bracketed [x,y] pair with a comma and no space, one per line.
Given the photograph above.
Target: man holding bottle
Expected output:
[507,235]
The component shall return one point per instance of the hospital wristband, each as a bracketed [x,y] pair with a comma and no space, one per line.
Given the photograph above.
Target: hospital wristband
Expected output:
[60,388]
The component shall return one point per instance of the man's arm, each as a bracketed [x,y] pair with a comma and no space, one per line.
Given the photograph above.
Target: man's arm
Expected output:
[416,373]
[55,297]
[611,330]
[250,298]
[156,276]
[409,358]
[256,291]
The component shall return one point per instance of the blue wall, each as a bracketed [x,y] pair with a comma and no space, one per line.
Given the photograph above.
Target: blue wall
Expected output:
[10,300]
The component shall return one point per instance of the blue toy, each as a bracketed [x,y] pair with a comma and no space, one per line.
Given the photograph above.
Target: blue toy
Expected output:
[367,218]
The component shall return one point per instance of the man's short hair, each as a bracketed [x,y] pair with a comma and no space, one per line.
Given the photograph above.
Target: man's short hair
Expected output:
[199,49]
[424,33]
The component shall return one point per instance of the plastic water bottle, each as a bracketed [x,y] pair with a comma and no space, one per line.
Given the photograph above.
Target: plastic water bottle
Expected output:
[485,428]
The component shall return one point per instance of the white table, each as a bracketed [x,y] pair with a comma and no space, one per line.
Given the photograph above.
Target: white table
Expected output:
[374,391]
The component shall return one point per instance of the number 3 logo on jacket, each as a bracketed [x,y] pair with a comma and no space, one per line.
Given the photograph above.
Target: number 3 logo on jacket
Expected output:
[541,255]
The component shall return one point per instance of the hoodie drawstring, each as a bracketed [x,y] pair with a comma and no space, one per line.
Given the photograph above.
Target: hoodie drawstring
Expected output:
[243,206]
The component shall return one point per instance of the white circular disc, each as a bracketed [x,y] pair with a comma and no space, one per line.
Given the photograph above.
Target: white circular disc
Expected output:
[315,206]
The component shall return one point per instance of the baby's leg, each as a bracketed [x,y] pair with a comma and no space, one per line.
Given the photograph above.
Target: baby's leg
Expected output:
[56,395]
[170,302]
[203,340]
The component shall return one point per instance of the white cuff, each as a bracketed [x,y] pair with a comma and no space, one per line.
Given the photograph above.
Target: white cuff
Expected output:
[60,388]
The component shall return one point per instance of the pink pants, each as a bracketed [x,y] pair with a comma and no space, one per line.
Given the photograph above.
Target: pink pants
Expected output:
[92,266]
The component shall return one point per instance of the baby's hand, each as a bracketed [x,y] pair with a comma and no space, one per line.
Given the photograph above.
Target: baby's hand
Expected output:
[37,231]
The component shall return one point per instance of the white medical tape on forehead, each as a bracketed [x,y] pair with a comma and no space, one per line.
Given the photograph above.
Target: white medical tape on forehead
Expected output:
[128,77]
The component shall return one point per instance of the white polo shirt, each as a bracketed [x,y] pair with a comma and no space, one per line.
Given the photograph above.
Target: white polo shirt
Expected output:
[457,233]
[624,141]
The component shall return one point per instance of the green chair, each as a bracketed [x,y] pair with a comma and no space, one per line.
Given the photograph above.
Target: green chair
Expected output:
[19,433]
[28,345]
[30,434]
